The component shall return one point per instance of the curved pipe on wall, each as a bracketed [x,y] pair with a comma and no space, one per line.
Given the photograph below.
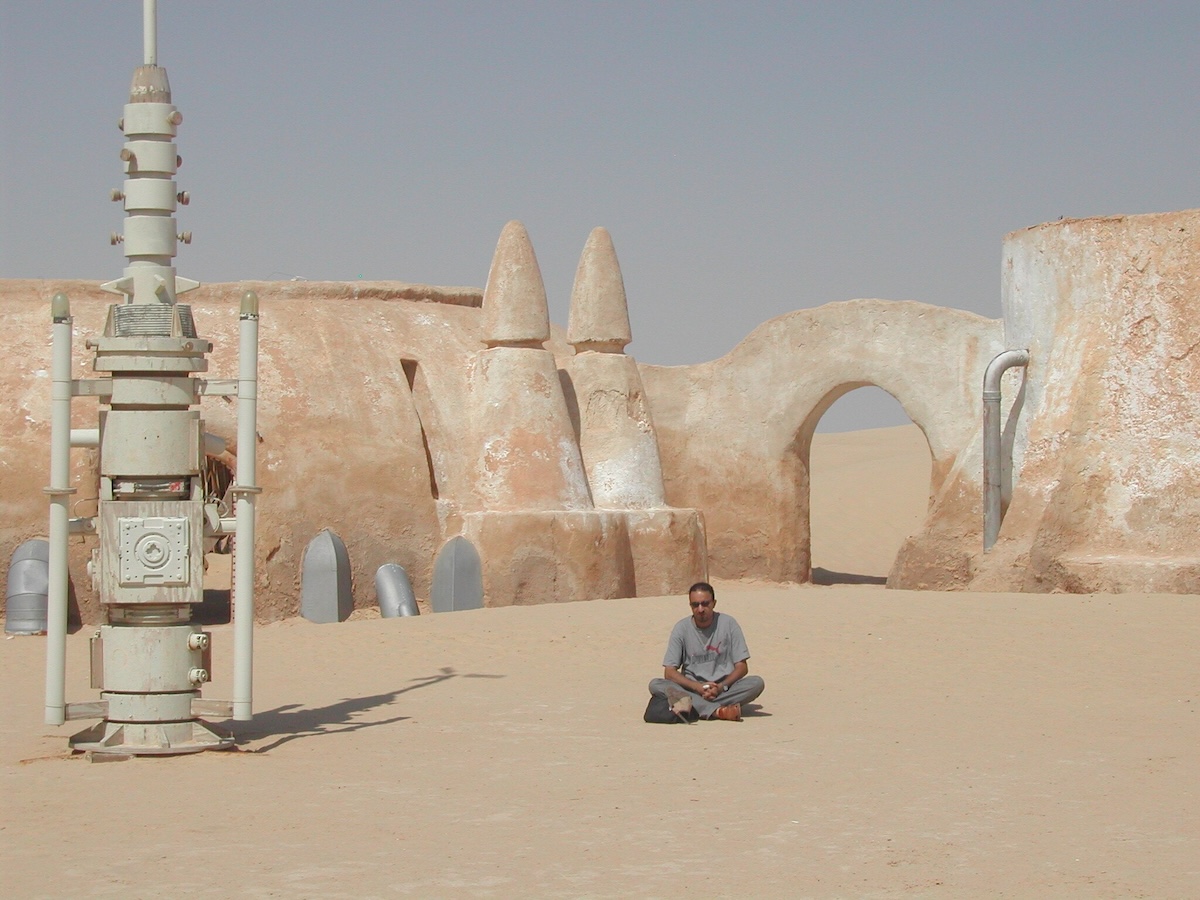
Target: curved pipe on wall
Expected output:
[991,440]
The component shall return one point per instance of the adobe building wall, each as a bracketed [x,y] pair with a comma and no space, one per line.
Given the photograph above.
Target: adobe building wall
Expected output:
[378,403]
[735,433]
[382,408]
[341,444]
[1106,462]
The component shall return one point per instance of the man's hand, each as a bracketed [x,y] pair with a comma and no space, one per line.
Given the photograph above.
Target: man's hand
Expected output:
[710,690]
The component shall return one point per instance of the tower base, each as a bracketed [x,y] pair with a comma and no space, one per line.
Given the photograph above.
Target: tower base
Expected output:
[151,738]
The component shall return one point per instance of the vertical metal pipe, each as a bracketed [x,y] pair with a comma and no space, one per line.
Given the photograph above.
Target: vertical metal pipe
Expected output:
[991,468]
[150,32]
[59,490]
[246,491]
[992,450]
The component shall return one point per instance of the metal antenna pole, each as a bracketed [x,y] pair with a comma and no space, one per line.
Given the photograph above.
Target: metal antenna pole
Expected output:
[59,490]
[150,32]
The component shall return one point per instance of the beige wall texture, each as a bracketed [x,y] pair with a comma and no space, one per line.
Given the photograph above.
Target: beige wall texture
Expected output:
[735,433]
[1106,460]
[399,416]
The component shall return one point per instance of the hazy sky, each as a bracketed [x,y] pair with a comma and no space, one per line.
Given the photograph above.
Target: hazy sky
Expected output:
[749,159]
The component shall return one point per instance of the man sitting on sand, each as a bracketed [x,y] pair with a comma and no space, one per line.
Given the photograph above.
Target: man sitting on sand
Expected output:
[704,671]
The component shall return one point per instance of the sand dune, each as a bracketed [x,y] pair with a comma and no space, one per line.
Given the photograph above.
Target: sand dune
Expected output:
[907,745]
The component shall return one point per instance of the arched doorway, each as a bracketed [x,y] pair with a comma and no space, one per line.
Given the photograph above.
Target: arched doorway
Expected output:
[869,483]
[735,433]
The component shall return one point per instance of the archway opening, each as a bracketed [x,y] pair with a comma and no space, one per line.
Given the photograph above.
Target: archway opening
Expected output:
[869,482]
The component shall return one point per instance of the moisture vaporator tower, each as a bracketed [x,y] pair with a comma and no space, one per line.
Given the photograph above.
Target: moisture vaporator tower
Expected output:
[157,510]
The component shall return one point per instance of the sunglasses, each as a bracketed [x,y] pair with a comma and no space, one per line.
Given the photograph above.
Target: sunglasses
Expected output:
[696,604]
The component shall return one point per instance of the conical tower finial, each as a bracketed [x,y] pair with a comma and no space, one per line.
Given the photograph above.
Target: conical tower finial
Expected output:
[514,302]
[599,317]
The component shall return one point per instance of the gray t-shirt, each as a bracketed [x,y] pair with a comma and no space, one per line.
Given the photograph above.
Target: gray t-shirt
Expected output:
[707,655]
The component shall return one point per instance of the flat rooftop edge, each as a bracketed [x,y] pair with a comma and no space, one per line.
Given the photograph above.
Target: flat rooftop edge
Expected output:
[386,291]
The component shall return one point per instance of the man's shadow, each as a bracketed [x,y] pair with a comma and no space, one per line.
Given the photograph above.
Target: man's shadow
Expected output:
[293,721]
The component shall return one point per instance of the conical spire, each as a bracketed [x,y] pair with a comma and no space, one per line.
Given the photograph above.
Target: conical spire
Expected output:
[599,317]
[514,302]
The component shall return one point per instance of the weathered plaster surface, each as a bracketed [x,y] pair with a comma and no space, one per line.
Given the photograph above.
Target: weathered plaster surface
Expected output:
[616,431]
[340,443]
[402,415]
[1105,453]
[735,433]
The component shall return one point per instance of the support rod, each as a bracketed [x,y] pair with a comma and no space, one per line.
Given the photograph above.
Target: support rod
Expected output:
[246,491]
[150,32]
[59,490]
[991,441]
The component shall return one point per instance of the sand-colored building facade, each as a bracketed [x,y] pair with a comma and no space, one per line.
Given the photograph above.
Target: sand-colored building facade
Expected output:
[400,416]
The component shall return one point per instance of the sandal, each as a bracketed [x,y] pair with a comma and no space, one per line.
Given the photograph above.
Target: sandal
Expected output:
[730,713]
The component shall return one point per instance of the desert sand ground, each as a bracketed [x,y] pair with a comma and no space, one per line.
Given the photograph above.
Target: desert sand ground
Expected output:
[907,745]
